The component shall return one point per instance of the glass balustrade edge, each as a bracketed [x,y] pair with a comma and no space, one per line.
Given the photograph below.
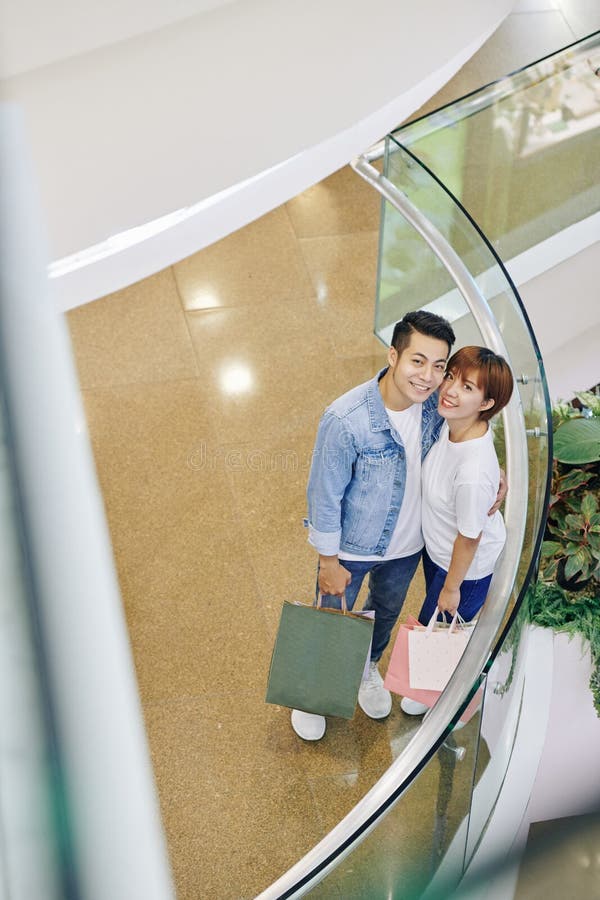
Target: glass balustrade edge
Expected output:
[490,92]
[532,568]
[366,814]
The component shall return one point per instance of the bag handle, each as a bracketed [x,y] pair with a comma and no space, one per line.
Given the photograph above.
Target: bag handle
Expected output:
[457,619]
[344,604]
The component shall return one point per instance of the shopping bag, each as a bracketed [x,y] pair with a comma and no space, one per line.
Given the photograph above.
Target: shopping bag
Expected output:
[397,678]
[319,659]
[434,653]
[368,614]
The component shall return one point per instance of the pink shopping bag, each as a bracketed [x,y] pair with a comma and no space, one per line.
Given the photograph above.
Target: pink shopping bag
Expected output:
[397,677]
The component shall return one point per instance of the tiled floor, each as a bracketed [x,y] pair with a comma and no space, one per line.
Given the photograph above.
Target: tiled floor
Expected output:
[203,387]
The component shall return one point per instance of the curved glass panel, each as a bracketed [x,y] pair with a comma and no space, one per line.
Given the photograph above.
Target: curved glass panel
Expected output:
[521,155]
[411,276]
[417,278]
[423,839]
[426,831]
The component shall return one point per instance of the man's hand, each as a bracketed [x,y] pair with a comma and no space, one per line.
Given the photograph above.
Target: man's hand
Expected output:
[333,578]
[448,600]
[501,495]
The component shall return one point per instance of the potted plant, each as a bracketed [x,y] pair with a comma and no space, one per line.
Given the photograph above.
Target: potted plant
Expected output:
[567,595]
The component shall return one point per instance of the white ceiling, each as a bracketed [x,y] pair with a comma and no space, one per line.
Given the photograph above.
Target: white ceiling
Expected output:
[35,33]
[231,110]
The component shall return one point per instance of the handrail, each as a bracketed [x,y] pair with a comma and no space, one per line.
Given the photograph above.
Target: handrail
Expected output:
[354,827]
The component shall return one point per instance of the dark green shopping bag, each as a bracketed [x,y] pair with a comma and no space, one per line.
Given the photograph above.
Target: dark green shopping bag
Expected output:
[318,659]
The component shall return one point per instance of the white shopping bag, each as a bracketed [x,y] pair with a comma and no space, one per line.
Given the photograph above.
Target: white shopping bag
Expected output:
[434,653]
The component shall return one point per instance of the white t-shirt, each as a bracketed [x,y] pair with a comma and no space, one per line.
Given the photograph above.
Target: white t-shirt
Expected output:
[460,482]
[406,537]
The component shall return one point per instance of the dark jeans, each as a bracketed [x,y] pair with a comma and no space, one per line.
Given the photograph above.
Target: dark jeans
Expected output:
[472,593]
[388,584]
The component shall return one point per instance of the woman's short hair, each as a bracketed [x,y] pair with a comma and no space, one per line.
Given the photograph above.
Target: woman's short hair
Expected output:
[492,374]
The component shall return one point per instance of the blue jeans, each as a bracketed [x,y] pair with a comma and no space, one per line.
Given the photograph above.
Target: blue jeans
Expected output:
[388,584]
[472,593]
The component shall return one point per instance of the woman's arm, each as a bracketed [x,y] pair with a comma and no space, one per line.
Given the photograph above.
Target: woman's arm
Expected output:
[462,556]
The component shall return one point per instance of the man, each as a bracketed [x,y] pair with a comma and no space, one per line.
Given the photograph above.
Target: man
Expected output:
[364,490]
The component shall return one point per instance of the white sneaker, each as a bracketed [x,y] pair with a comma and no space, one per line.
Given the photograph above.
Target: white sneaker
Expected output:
[373,698]
[413,707]
[308,726]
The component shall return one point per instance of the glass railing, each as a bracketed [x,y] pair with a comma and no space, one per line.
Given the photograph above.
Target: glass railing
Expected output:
[521,155]
[449,800]
[416,832]
[423,281]
[422,822]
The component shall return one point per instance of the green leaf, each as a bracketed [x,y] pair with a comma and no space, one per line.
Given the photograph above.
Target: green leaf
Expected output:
[550,548]
[571,548]
[594,542]
[549,572]
[574,522]
[572,502]
[573,479]
[591,400]
[577,564]
[577,441]
[589,505]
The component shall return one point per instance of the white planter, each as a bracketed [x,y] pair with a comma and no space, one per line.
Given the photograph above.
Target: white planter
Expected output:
[568,778]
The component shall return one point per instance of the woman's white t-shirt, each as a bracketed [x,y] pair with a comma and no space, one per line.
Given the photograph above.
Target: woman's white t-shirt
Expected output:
[460,482]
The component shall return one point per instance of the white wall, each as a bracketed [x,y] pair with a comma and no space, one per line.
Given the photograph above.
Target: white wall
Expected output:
[276,90]
[563,305]
[568,777]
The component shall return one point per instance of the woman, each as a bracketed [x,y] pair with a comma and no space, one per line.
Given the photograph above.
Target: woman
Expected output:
[460,479]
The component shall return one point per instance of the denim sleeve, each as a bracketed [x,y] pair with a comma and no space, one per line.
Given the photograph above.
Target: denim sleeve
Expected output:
[330,473]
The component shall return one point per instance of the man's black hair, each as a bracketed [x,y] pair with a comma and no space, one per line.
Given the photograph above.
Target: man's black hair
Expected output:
[425,323]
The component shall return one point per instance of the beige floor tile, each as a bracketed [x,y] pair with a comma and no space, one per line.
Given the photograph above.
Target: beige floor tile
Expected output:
[138,334]
[236,808]
[145,437]
[265,386]
[280,408]
[228,731]
[359,748]
[351,323]
[258,263]
[275,407]
[270,492]
[342,204]
[341,266]
[210,640]
[286,335]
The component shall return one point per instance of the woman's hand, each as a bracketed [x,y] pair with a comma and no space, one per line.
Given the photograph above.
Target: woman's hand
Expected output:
[501,495]
[448,600]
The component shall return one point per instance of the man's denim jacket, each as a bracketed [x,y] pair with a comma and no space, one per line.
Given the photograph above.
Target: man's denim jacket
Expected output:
[358,472]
